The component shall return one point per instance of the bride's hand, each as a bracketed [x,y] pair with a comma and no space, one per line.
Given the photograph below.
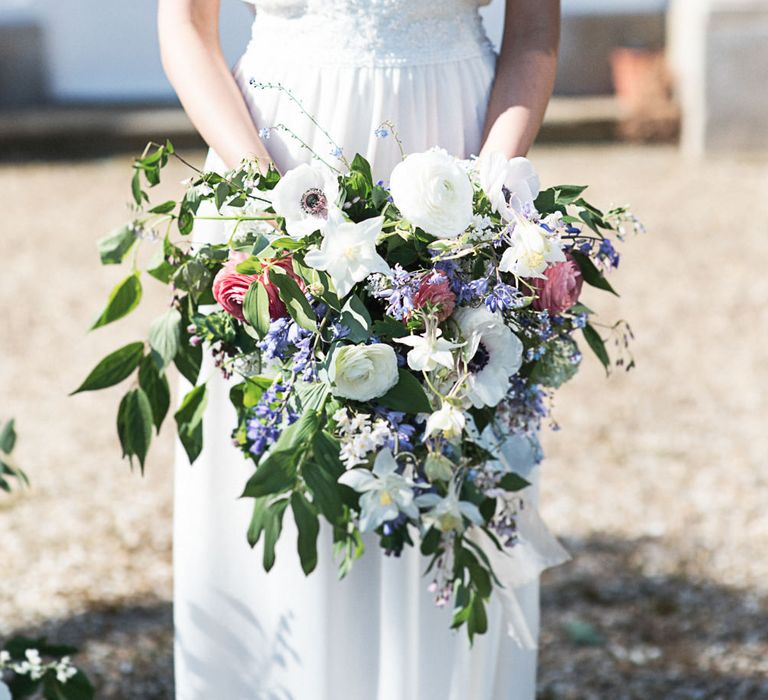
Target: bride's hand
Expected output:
[194,63]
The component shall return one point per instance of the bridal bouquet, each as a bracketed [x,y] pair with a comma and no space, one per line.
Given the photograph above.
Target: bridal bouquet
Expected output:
[381,343]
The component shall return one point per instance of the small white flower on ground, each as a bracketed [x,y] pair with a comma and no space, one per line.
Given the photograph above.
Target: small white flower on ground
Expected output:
[433,192]
[448,420]
[386,493]
[531,250]
[428,350]
[493,352]
[348,253]
[511,185]
[363,372]
[448,512]
[307,198]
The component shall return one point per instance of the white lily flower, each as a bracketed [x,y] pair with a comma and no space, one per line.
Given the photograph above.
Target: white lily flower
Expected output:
[348,253]
[494,354]
[448,420]
[386,493]
[511,185]
[429,350]
[448,512]
[531,251]
[307,198]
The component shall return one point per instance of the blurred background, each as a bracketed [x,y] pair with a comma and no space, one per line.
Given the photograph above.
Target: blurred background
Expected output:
[657,480]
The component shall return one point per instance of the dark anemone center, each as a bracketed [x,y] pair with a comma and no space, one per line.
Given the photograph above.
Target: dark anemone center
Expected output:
[314,202]
[479,359]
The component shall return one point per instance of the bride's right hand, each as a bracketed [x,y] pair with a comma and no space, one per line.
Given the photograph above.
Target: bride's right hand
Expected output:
[195,66]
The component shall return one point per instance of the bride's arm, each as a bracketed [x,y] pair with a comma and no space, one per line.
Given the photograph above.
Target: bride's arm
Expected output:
[195,65]
[525,76]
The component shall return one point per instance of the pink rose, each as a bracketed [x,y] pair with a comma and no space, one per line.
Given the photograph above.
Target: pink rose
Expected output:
[561,288]
[435,291]
[231,286]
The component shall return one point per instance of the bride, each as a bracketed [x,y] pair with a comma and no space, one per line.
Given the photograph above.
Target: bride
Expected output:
[360,68]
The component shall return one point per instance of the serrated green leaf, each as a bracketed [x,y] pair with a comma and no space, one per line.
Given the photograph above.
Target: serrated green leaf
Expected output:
[123,299]
[115,245]
[113,368]
[164,336]
[134,425]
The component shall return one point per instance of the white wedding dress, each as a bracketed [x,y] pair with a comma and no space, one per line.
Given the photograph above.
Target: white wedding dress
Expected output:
[242,634]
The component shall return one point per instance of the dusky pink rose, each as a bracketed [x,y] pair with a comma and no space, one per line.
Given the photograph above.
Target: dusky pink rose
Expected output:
[560,289]
[231,286]
[435,291]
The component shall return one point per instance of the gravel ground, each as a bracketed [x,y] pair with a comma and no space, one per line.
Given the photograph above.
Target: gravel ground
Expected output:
[657,482]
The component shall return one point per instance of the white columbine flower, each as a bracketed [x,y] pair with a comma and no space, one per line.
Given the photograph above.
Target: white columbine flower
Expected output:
[449,421]
[363,372]
[531,250]
[307,198]
[433,192]
[386,493]
[448,513]
[429,350]
[511,185]
[348,253]
[494,354]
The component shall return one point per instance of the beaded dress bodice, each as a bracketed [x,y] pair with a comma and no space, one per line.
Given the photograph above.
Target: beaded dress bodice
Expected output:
[369,32]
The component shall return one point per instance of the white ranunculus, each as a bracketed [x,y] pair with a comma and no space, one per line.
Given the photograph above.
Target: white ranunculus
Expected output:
[433,192]
[510,184]
[386,493]
[363,372]
[449,421]
[348,253]
[428,351]
[494,354]
[307,198]
[531,250]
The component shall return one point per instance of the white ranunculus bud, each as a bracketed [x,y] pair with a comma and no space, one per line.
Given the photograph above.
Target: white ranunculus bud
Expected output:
[449,421]
[433,192]
[363,372]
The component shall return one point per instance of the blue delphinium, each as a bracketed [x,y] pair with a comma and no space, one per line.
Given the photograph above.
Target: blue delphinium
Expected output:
[400,430]
[503,297]
[269,416]
[275,342]
[398,294]
[607,253]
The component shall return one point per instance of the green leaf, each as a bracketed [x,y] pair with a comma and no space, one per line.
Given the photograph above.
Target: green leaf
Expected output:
[590,273]
[478,620]
[388,328]
[115,245]
[293,298]
[324,489]
[513,482]
[138,195]
[164,208]
[311,396]
[164,338]
[134,425]
[8,436]
[299,434]
[123,299]
[326,453]
[78,687]
[189,421]
[362,166]
[286,244]
[596,343]
[355,316]
[189,358]
[567,194]
[275,474]
[407,395]
[272,530]
[221,192]
[249,266]
[256,308]
[113,368]
[155,386]
[309,528]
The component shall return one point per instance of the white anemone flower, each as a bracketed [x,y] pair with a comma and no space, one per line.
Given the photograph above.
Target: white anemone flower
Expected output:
[428,350]
[532,249]
[448,420]
[494,354]
[307,198]
[447,513]
[386,493]
[511,185]
[348,253]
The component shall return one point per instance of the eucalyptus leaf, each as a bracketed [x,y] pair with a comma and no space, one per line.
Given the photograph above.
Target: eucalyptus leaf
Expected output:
[113,368]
